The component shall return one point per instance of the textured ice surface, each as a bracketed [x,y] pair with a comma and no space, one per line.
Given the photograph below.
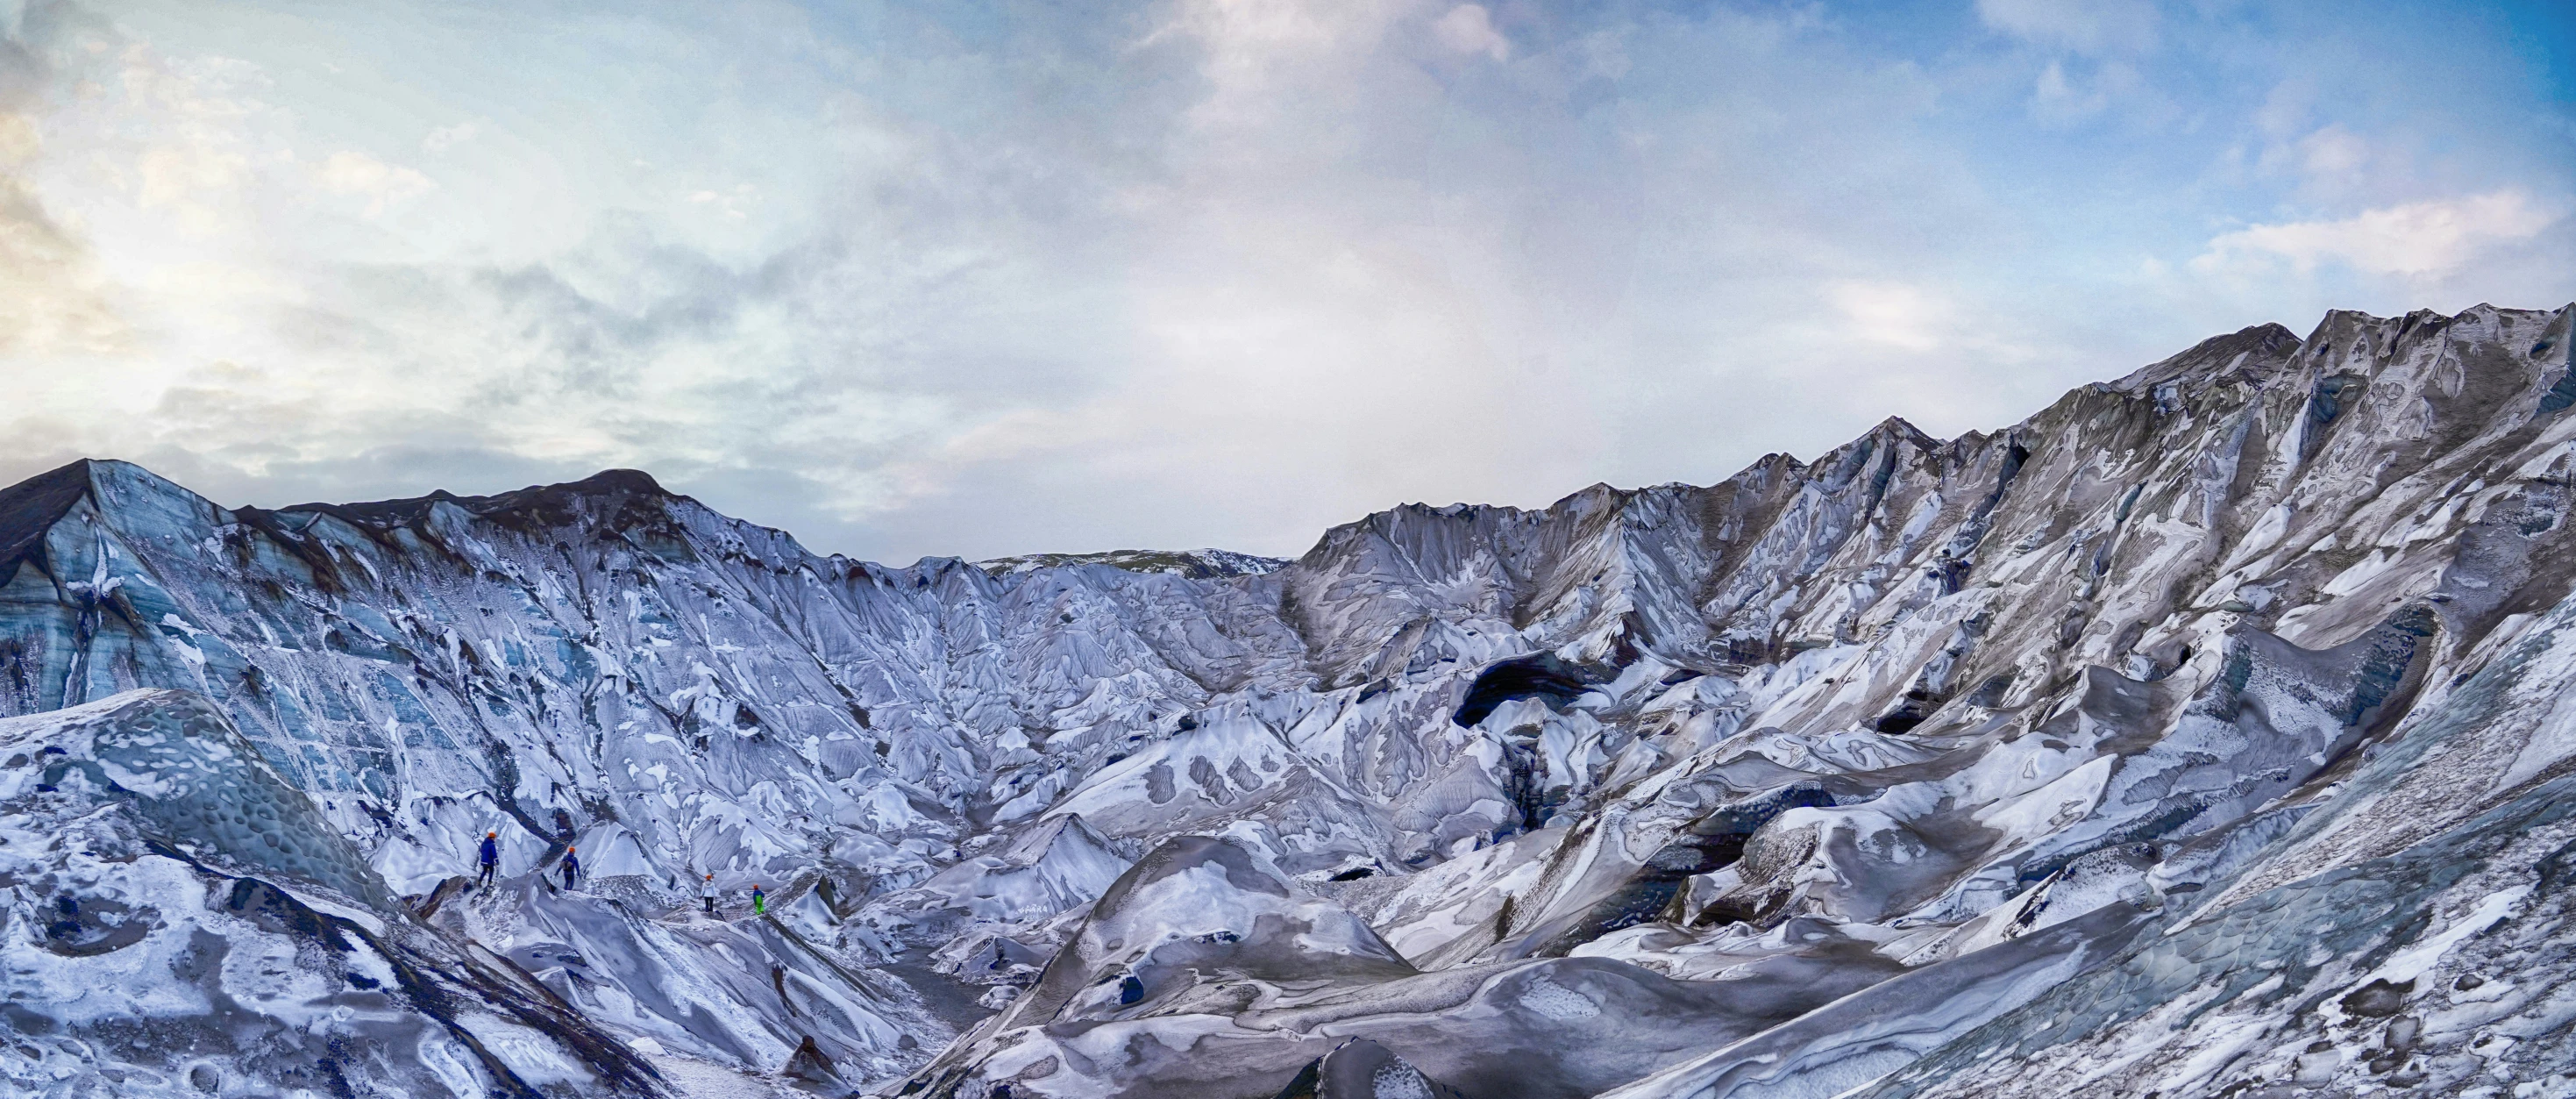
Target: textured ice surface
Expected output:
[163,935]
[2002,762]
[198,784]
[2367,969]
[1362,1069]
[1199,563]
[1206,971]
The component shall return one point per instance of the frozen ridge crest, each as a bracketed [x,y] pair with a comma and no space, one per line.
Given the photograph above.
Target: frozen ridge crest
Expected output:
[1201,564]
[2204,734]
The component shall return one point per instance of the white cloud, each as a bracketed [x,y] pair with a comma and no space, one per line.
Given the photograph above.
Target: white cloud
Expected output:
[2333,151]
[382,185]
[2084,26]
[1469,28]
[1891,313]
[1195,271]
[2334,167]
[448,137]
[2432,237]
[733,204]
[2059,100]
[53,300]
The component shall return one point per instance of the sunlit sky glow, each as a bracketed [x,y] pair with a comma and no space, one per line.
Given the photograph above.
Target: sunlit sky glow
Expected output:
[985,279]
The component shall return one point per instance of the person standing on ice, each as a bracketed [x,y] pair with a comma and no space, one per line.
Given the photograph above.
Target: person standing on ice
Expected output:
[759,902]
[571,865]
[491,854]
[707,892]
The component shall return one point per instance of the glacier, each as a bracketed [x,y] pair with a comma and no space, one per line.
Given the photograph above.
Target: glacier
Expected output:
[2207,733]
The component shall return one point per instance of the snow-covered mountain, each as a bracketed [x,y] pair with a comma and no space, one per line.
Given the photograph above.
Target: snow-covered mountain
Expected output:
[2208,731]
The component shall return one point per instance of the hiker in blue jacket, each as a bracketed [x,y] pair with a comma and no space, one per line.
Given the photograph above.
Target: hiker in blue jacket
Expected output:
[491,856]
[571,865]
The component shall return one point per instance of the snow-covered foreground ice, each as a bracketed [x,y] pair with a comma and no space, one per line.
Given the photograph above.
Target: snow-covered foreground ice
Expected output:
[182,923]
[2208,733]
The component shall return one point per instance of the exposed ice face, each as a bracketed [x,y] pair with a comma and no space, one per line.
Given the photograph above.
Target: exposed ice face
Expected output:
[1830,771]
[1362,1069]
[199,785]
[2375,961]
[1206,971]
[1555,1001]
[145,958]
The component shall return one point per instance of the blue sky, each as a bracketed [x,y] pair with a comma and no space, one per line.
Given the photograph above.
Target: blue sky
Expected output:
[986,279]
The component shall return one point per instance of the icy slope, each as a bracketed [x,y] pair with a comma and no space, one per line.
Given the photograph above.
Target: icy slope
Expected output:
[1203,564]
[1204,971]
[181,923]
[2411,931]
[1938,725]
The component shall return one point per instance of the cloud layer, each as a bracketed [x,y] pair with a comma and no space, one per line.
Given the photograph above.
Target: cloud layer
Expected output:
[955,281]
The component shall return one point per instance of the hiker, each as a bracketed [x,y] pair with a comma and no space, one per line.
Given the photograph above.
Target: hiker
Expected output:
[707,891]
[491,856]
[571,865]
[759,902]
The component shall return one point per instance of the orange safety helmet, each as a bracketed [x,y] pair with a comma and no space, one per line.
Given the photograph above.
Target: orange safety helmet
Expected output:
[491,835]
[569,850]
